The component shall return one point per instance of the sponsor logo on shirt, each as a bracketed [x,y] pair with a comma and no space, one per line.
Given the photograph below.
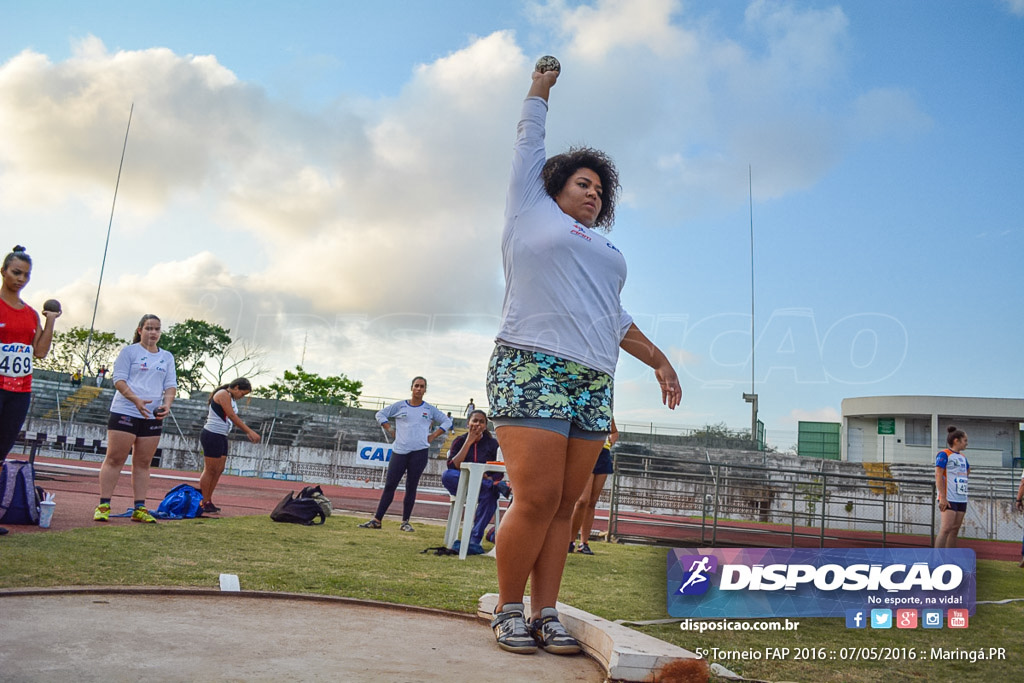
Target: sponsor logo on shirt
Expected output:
[579,233]
[144,366]
[612,246]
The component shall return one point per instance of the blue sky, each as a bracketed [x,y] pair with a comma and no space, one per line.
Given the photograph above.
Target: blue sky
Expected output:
[331,176]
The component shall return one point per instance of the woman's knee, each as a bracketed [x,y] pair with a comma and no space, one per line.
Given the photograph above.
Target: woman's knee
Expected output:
[541,503]
[142,458]
[116,457]
[141,464]
[567,505]
[450,480]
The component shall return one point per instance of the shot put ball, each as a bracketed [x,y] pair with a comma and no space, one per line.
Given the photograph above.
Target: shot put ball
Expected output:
[547,63]
[51,305]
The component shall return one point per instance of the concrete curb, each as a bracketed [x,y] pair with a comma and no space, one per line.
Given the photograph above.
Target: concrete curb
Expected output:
[625,654]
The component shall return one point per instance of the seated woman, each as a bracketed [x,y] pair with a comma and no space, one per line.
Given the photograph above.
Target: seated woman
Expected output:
[476,445]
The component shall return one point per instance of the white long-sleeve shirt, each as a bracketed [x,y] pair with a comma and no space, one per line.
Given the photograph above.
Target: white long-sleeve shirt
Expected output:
[562,280]
[413,424]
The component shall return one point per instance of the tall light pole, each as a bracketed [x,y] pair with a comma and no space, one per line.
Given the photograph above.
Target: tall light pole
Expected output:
[751,398]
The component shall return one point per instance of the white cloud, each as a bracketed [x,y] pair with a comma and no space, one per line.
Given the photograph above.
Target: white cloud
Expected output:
[350,220]
[598,32]
[1015,7]
[65,123]
[198,287]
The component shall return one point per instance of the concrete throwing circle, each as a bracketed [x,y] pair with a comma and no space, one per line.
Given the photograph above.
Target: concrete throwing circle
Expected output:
[122,635]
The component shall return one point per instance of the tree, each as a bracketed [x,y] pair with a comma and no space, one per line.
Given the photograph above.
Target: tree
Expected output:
[67,353]
[193,342]
[309,387]
[720,436]
[240,358]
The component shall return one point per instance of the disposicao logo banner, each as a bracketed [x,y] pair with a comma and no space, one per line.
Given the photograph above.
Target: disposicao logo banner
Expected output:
[798,582]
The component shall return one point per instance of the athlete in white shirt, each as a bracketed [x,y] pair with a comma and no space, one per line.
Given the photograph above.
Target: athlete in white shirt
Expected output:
[549,381]
[146,384]
[951,473]
[413,432]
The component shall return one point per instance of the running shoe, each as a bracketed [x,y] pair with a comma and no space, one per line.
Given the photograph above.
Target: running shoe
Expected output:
[372,524]
[549,633]
[511,631]
[102,513]
[572,548]
[585,549]
[209,508]
[406,527]
[141,514]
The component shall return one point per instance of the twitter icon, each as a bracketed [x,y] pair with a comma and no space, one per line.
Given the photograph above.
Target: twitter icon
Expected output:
[881,618]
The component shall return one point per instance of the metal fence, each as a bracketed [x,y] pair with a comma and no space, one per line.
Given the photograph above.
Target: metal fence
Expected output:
[659,499]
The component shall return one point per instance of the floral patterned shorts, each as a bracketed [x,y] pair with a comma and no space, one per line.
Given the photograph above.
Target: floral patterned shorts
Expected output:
[531,384]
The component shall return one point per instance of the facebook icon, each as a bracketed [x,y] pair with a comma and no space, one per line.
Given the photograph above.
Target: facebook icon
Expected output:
[856,618]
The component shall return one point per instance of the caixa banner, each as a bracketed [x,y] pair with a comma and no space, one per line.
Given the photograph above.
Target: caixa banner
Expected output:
[374,453]
[798,582]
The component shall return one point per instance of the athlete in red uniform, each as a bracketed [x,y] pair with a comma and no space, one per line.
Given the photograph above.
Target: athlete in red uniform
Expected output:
[22,340]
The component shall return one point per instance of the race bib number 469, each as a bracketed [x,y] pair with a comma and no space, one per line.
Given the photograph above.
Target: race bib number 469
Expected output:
[15,360]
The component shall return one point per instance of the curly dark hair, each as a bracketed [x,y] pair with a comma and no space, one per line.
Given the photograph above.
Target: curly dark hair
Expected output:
[559,168]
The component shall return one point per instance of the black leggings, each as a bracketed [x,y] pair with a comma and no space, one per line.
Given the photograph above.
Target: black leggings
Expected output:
[414,463]
[13,409]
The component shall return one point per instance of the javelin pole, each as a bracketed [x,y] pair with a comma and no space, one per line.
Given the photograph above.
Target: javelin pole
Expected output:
[103,264]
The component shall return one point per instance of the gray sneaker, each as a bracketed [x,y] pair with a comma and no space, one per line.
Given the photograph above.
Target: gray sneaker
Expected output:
[511,631]
[406,527]
[372,524]
[549,633]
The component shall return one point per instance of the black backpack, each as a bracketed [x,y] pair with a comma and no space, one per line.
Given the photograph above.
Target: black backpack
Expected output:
[298,510]
[317,494]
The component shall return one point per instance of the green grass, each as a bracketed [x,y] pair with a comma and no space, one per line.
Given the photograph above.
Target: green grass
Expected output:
[619,582]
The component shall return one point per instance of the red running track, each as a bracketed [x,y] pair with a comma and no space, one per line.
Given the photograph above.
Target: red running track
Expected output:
[76,489]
